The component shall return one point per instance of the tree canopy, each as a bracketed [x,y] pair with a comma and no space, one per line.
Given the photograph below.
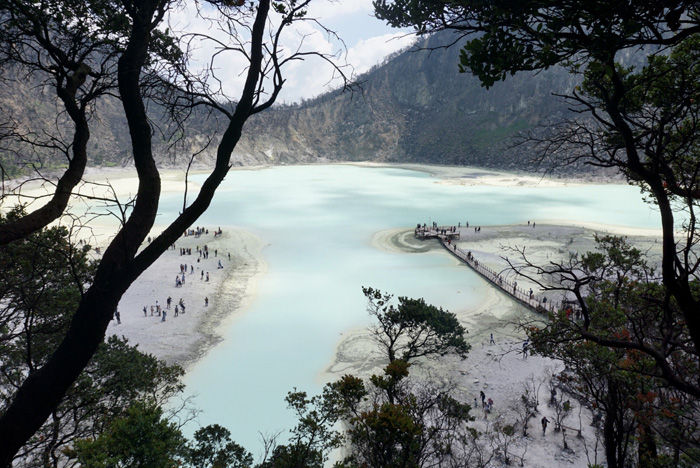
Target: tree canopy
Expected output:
[414,329]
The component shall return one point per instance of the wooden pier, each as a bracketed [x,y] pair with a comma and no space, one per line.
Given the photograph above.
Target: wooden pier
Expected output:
[447,234]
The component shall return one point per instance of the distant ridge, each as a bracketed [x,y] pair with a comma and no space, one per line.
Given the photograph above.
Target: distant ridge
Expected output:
[415,108]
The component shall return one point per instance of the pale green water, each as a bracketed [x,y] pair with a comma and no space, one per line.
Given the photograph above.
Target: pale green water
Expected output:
[317,223]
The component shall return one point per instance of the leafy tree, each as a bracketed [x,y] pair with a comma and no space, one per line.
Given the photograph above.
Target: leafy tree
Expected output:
[392,422]
[313,438]
[83,50]
[414,329]
[41,280]
[621,302]
[141,439]
[215,449]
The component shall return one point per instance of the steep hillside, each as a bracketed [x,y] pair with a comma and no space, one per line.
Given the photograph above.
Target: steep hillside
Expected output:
[415,108]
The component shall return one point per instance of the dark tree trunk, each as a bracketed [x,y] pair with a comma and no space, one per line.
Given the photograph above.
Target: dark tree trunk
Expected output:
[43,390]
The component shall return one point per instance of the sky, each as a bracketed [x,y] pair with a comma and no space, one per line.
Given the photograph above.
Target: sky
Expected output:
[368,41]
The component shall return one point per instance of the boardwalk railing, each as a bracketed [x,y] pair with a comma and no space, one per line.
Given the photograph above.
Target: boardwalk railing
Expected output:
[531,301]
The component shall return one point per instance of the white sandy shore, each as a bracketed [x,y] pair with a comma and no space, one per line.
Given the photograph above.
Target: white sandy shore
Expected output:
[185,338]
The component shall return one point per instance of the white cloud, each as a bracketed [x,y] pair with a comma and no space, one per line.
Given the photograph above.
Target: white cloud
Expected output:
[368,42]
[333,9]
[371,51]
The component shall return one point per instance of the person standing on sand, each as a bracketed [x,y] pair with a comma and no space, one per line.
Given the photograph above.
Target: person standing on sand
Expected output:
[207,276]
[168,301]
[176,310]
[492,342]
[163,318]
[144,311]
[206,302]
[483,397]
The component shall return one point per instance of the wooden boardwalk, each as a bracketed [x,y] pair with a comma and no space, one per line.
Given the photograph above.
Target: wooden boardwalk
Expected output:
[446,234]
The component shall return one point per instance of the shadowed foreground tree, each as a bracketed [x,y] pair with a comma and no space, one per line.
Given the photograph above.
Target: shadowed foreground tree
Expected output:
[140,62]
[645,418]
[393,421]
[40,283]
[141,439]
[643,121]
[638,331]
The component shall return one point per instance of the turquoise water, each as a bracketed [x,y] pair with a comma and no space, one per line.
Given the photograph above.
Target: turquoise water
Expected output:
[316,223]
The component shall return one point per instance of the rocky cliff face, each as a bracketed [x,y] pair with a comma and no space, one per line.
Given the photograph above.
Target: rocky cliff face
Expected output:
[415,108]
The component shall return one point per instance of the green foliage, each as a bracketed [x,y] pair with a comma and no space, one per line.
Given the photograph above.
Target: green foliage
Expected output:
[393,423]
[314,437]
[214,449]
[41,282]
[536,35]
[42,278]
[414,329]
[609,355]
[141,439]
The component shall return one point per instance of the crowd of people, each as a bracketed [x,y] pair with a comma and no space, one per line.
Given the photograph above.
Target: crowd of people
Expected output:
[186,271]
